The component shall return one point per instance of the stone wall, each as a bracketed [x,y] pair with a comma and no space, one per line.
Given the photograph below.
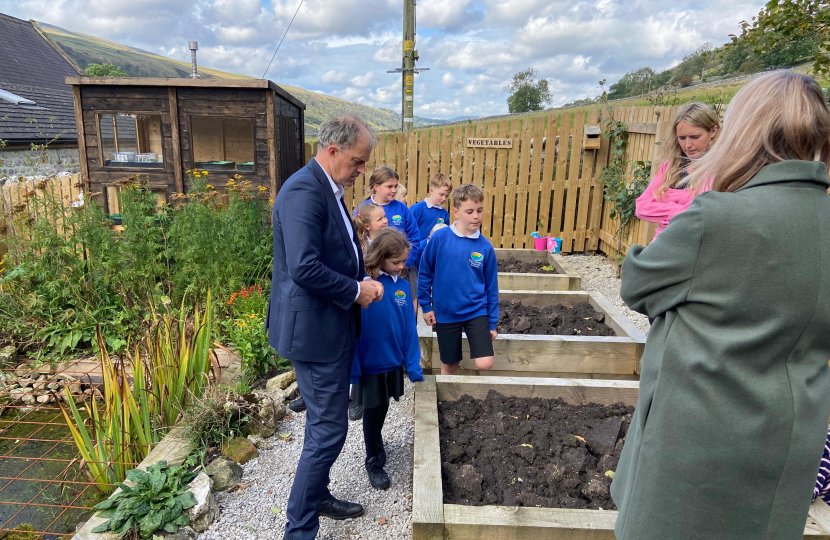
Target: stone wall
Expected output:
[21,161]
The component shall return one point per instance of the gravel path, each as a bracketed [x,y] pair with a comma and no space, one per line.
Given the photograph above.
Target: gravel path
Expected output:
[600,276]
[251,514]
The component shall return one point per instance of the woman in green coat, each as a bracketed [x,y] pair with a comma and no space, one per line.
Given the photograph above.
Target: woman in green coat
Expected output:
[734,400]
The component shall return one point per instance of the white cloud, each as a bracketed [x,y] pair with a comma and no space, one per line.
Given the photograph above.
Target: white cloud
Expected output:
[472,47]
[363,80]
[335,77]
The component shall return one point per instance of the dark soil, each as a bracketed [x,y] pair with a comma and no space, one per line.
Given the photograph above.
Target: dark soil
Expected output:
[512,264]
[578,320]
[538,452]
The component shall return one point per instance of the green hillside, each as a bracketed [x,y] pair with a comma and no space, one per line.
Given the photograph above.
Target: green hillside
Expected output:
[85,50]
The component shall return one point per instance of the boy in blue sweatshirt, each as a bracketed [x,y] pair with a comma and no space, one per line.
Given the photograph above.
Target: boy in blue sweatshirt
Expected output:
[431,212]
[458,285]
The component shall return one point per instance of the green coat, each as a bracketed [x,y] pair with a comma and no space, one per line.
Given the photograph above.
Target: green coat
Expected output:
[734,400]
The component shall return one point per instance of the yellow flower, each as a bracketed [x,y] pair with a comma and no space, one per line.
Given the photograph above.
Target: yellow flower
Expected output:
[262,188]
[205,173]
[252,316]
[209,186]
[237,176]
[270,200]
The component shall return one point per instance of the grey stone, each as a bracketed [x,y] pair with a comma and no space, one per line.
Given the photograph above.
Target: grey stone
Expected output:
[264,422]
[17,393]
[25,383]
[53,386]
[45,398]
[184,533]
[292,391]
[281,381]
[260,443]
[8,356]
[224,473]
[23,370]
[206,510]
[28,399]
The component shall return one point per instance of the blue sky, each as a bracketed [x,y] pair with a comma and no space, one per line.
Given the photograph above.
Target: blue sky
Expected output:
[345,47]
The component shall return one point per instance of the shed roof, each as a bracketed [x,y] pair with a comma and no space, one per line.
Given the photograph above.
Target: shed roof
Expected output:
[33,69]
[180,82]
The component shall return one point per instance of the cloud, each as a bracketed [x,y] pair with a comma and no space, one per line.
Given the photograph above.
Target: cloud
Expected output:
[335,77]
[472,47]
[363,80]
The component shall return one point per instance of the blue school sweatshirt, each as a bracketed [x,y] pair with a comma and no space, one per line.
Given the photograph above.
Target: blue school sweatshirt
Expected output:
[427,217]
[458,277]
[399,216]
[389,338]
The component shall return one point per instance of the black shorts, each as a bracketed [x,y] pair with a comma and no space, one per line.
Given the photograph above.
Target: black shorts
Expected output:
[478,336]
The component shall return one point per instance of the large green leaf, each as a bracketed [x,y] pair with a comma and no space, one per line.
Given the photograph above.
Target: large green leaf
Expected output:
[151,523]
[103,527]
[183,520]
[128,526]
[187,499]
[171,528]
[138,476]
[106,504]
[157,480]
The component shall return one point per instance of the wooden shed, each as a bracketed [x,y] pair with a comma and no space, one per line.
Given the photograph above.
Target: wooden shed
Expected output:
[161,128]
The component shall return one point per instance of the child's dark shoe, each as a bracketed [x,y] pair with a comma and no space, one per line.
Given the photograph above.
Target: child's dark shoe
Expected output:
[298,405]
[355,411]
[377,476]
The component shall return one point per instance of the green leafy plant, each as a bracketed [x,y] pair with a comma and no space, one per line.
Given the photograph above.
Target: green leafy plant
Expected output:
[619,189]
[173,370]
[158,500]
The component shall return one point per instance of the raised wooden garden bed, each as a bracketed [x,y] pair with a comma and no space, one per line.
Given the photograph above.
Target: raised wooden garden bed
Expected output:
[434,520]
[521,355]
[565,278]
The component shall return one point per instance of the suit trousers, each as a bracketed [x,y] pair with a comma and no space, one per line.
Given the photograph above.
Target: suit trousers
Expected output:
[325,389]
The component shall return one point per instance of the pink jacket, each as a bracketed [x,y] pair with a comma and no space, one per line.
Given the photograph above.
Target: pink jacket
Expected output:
[674,202]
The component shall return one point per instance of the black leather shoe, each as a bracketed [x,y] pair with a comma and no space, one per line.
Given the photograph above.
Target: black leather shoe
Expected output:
[355,411]
[337,509]
[377,476]
[298,405]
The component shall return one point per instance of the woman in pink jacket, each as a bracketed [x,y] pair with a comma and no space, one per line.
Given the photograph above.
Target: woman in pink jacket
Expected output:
[695,127]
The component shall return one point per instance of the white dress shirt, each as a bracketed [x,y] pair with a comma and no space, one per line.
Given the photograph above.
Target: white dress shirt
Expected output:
[338,194]
[430,205]
[458,233]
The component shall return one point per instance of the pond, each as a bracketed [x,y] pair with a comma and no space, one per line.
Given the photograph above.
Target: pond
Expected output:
[42,482]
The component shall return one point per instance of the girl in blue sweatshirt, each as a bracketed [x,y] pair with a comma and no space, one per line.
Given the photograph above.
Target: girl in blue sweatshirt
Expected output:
[388,346]
[383,185]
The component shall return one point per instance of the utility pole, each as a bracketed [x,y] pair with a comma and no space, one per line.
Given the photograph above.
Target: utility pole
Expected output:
[408,69]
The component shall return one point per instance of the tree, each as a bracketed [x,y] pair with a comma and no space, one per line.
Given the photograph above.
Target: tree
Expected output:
[527,93]
[632,83]
[104,70]
[698,60]
[791,20]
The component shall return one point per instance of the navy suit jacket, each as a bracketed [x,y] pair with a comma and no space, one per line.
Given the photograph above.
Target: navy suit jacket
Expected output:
[311,311]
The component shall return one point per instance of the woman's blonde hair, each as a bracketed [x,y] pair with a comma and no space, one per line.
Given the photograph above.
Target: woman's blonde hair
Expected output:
[695,114]
[363,218]
[777,117]
[380,175]
[389,242]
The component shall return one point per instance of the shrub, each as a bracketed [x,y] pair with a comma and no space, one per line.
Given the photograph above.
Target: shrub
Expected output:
[157,501]
[685,81]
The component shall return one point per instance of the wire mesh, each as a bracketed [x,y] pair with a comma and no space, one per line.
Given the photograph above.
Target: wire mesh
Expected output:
[43,481]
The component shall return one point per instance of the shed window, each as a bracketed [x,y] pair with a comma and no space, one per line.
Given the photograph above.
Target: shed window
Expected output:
[222,143]
[132,140]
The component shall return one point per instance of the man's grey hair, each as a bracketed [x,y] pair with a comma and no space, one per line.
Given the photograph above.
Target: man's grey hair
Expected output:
[344,132]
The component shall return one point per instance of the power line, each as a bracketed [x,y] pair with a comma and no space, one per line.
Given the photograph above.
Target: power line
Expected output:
[283,38]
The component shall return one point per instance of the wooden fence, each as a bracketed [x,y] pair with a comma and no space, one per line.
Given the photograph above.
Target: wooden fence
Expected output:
[16,197]
[546,182]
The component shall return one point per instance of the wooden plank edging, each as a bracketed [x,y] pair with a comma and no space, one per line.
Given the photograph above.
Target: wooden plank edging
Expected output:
[427,490]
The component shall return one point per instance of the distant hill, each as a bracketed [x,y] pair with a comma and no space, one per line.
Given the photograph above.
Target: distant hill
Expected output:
[85,49]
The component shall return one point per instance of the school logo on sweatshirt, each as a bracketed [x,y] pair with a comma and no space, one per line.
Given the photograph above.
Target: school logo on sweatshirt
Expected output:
[475,259]
[397,220]
[400,298]
[440,220]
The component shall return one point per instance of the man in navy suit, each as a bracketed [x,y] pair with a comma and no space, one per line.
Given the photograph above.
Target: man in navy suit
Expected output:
[318,287]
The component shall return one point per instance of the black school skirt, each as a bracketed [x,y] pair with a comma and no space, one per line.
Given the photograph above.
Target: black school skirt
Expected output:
[376,390]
